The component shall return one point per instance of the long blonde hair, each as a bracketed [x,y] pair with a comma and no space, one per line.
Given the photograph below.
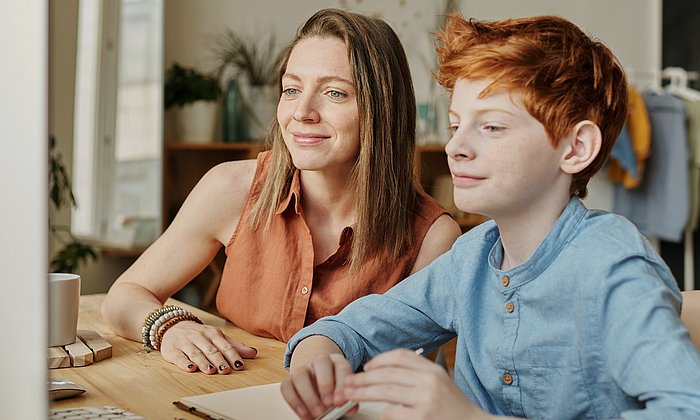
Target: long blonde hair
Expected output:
[384,174]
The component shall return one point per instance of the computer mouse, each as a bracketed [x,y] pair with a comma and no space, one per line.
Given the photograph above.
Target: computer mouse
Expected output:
[60,388]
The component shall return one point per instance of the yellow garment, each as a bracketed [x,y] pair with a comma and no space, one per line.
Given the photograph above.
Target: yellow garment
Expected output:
[639,130]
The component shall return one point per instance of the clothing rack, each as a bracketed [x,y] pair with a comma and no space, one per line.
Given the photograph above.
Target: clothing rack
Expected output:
[653,79]
[678,78]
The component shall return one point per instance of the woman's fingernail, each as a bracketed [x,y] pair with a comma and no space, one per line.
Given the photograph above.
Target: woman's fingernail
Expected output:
[210,367]
[238,364]
[190,366]
[222,367]
[256,350]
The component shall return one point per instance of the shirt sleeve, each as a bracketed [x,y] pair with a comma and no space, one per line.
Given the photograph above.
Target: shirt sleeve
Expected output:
[416,313]
[646,345]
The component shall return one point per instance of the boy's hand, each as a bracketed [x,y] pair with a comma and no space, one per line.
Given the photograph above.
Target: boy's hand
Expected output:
[415,387]
[317,386]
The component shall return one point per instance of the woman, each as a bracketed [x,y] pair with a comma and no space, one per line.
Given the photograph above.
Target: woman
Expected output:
[331,213]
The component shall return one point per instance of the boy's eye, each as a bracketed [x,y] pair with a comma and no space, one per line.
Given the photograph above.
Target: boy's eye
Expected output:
[290,91]
[493,128]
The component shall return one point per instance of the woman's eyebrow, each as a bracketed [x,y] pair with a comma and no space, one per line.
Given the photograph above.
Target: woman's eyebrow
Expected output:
[322,79]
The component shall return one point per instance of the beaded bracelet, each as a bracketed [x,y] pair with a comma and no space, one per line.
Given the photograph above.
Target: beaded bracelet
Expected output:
[170,323]
[175,312]
[151,319]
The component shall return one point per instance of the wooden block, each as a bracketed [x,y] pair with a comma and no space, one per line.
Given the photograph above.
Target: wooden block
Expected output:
[80,354]
[58,358]
[101,349]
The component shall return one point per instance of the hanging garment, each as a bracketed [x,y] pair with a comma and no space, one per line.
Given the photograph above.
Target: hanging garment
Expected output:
[624,156]
[639,132]
[659,206]
[692,109]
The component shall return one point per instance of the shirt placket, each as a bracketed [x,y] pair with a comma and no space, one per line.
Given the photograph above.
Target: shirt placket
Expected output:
[510,315]
[302,294]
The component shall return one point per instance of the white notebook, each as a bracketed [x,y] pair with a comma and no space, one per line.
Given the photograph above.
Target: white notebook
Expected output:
[255,402]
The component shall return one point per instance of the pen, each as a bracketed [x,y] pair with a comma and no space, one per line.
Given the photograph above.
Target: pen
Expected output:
[335,413]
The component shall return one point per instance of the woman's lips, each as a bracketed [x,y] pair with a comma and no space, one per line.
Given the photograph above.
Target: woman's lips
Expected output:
[309,138]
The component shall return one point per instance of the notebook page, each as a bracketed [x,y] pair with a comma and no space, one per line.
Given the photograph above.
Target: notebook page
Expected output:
[258,402]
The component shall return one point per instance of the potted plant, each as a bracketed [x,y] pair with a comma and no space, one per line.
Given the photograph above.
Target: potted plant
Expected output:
[73,253]
[193,96]
[251,65]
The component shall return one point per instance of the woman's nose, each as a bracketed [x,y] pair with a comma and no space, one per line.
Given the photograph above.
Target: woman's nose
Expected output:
[306,109]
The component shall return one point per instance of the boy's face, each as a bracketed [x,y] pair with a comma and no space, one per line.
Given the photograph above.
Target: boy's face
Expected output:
[500,157]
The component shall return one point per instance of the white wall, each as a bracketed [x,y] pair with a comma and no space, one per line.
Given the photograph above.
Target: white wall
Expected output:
[631,28]
[23,215]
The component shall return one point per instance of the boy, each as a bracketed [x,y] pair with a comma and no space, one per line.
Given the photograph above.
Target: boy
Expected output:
[560,312]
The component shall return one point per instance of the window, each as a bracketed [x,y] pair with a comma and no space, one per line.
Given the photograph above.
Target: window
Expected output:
[118,122]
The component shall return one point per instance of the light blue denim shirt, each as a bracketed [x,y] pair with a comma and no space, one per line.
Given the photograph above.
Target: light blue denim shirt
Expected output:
[588,328]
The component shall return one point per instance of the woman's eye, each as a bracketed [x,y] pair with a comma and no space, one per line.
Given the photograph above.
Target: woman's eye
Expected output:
[336,95]
[453,128]
[290,91]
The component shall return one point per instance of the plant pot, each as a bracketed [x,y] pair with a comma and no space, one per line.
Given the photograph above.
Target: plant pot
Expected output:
[261,104]
[196,122]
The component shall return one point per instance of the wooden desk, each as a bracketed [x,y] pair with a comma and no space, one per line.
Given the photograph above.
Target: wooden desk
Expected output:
[145,384]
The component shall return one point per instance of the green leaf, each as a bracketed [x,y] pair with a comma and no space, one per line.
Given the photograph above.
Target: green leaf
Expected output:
[71,256]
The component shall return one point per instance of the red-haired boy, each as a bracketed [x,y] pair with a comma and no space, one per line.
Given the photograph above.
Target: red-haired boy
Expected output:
[560,312]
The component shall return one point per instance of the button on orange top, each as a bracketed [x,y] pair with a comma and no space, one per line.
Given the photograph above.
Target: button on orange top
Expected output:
[505,281]
[510,307]
[507,378]
[304,290]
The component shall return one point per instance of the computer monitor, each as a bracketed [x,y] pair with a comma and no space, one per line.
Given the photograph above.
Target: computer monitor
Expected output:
[23,210]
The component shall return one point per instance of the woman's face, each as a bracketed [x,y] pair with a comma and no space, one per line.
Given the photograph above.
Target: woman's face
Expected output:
[317,111]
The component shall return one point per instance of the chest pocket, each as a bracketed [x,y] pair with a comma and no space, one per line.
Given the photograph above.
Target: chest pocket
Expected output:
[552,384]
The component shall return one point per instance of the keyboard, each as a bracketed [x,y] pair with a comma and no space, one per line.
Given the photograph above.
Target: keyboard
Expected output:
[89,413]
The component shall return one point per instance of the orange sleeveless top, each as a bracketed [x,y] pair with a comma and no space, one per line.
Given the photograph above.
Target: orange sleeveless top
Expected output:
[270,286]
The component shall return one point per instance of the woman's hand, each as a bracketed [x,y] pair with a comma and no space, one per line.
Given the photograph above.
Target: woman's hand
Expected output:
[317,386]
[191,346]
[415,387]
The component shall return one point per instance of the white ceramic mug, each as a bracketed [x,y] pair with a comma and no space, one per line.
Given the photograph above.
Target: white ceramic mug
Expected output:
[64,305]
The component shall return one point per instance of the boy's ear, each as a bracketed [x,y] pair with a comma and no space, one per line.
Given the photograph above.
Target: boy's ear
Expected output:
[581,147]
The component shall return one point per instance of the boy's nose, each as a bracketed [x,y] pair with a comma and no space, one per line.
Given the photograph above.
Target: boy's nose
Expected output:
[459,147]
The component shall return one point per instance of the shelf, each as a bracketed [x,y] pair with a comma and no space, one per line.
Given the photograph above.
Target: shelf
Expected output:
[433,147]
[185,163]
[214,146]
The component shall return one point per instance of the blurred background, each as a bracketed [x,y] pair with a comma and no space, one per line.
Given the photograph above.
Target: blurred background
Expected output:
[131,156]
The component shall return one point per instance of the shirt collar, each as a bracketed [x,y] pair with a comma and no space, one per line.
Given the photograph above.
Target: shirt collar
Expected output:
[294,196]
[564,228]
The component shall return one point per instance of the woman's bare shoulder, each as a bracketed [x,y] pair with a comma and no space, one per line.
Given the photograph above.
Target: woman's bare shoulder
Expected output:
[229,183]
[439,239]
[216,202]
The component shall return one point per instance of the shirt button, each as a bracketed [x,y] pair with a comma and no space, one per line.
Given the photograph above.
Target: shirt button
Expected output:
[510,307]
[505,281]
[507,378]
[304,290]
